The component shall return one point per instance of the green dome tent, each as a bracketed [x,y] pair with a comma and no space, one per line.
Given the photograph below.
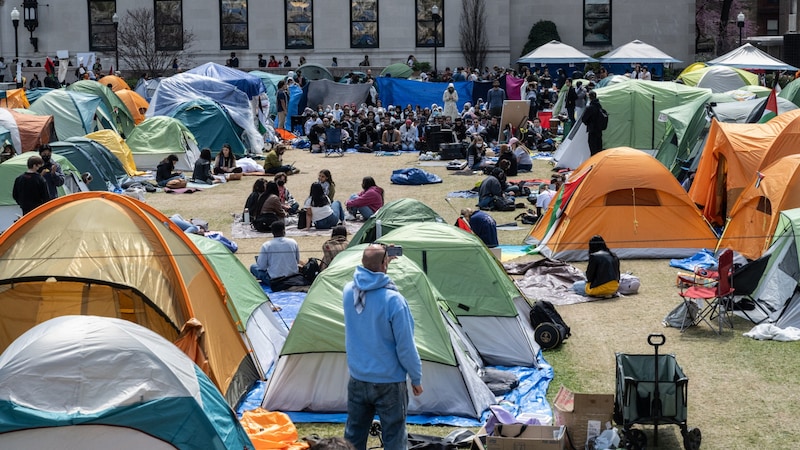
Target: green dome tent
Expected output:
[398,70]
[491,309]
[160,136]
[315,72]
[392,216]
[316,340]
[119,111]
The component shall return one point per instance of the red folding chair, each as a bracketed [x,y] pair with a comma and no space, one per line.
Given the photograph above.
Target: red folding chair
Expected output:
[711,302]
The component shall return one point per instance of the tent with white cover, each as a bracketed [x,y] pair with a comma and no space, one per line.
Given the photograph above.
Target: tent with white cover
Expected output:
[312,373]
[555,52]
[93,382]
[637,52]
[750,57]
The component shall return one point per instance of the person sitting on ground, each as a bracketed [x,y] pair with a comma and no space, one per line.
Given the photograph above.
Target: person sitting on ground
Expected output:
[328,185]
[367,138]
[507,154]
[273,162]
[335,245]
[278,259]
[272,201]
[202,169]
[602,273]
[491,195]
[320,212]
[544,198]
[476,153]
[225,162]
[289,204]
[366,202]
[521,154]
[259,186]
[483,225]
[165,171]
[390,139]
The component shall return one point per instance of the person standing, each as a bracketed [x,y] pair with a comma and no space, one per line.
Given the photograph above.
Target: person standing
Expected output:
[495,98]
[450,100]
[364,62]
[30,189]
[570,100]
[282,105]
[261,61]
[595,123]
[286,62]
[580,99]
[50,171]
[234,61]
[273,62]
[381,353]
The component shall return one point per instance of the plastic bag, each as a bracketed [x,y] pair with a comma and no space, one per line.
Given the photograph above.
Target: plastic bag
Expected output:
[608,439]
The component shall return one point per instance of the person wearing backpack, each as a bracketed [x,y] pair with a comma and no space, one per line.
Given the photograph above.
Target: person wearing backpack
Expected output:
[602,273]
[596,120]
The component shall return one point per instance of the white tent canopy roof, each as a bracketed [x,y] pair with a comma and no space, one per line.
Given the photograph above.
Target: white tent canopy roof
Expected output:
[555,52]
[750,57]
[637,52]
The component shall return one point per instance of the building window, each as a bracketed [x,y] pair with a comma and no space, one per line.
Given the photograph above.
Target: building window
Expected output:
[772,27]
[299,24]
[364,24]
[169,24]
[425,24]
[101,28]
[596,22]
[233,24]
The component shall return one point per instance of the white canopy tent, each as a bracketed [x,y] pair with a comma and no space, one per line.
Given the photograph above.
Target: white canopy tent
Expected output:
[555,52]
[637,52]
[750,57]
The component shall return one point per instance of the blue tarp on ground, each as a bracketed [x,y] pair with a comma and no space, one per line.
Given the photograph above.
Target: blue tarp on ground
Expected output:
[529,397]
[414,176]
[393,91]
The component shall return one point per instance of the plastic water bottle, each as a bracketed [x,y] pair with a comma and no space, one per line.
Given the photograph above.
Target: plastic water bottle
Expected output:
[246,218]
[378,229]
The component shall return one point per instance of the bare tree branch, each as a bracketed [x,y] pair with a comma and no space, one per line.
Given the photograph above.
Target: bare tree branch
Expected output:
[137,44]
[472,32]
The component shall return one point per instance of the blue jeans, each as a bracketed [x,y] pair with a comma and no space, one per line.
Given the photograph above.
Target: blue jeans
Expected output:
[389,401]
[365,211]
[579,287]
[332,220]
[163,183]
[260,274]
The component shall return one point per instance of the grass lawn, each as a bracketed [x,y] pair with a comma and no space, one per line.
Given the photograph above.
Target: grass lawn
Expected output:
[742,393]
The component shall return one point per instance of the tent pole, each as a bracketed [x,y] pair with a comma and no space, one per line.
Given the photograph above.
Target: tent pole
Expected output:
[653,124]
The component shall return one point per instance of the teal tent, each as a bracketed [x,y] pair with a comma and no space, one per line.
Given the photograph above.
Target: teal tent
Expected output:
[94,383]
[392,216]
[791,92]
[315,72]
[312,375]
[247,303]
[75,114]
[160,136]
[119,111]
[92,157]
[270,81]
[491,309]
[210,125]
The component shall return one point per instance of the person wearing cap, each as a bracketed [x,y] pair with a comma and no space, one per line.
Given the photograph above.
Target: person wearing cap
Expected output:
[483,225]
[450,100]
[409,136]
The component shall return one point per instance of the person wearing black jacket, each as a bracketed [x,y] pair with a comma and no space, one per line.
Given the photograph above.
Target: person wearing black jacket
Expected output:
[602,273]
[164,170]
[569,103]
[593,121]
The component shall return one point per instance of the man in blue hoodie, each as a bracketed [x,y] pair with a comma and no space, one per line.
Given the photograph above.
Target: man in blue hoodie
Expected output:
[379,339]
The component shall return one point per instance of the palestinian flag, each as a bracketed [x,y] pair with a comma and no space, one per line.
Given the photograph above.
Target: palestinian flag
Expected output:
[766,111]
[49,67]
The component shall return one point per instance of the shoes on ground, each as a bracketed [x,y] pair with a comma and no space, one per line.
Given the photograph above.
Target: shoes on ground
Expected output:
[349,217]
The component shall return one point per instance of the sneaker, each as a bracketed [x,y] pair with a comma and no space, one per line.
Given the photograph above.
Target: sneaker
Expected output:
[295,171]
[349,217]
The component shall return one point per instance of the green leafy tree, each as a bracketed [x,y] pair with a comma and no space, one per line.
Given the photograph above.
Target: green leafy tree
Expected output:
[541,33]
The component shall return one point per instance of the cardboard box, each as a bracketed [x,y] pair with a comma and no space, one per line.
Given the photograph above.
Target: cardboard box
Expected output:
[526,437]
[584,415]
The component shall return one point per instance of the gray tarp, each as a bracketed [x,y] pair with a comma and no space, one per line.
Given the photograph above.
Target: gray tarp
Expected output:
[326,92]
[549,279]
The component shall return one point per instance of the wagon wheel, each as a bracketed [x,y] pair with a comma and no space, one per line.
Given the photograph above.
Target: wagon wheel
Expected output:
[375,428]
[692,438]
[634,439]
[547,336]
[618,413]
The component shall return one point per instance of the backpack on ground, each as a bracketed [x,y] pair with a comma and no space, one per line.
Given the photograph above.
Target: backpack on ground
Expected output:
[263,223]
[549,328]
[311,269]
[628,284]
[603,119]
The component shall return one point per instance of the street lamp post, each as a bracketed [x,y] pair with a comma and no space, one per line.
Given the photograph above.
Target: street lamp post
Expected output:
[740,24]
[115,19]
[15,21]
[436,19]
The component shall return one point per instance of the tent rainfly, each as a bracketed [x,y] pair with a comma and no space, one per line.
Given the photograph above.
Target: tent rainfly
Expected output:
[637,52]
[749,57]
[555,52]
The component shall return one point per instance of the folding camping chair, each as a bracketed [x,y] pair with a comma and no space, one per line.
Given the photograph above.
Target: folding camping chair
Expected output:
[711,302]
[747,278]
[333,141]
